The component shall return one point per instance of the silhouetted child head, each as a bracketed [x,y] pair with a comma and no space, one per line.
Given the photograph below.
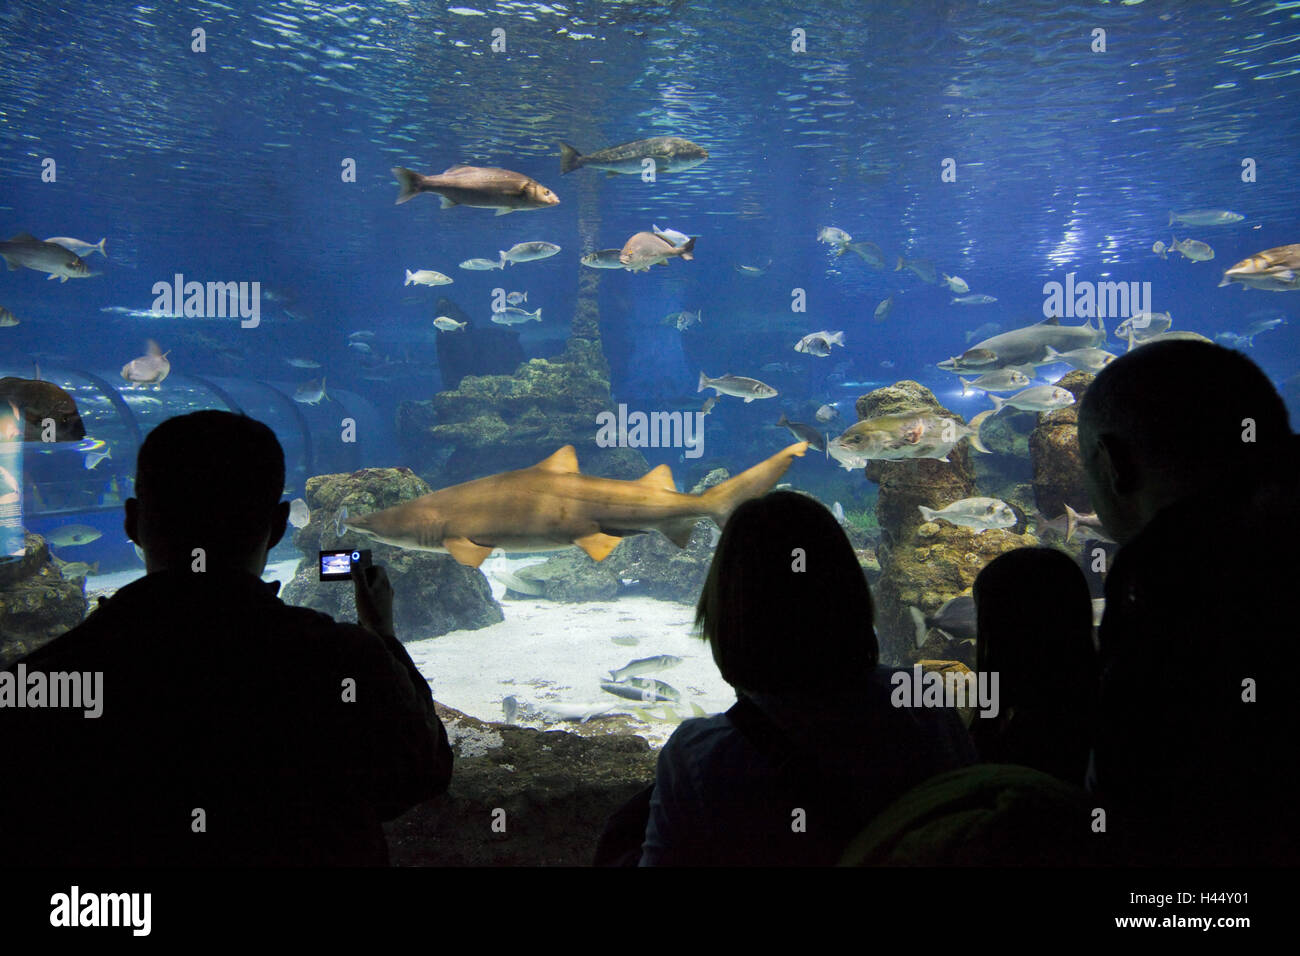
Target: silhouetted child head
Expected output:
[1168,421]
[210,480]
[1033,618]
[786,605]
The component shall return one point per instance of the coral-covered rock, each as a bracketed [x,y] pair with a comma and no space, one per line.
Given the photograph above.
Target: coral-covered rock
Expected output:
[37,603]
[1054,448]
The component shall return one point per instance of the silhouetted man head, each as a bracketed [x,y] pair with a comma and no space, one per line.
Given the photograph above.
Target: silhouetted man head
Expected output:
[210,480]
[1173,420]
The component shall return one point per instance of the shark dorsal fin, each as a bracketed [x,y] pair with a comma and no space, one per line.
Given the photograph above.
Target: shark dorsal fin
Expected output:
[565,461]
[660,476]
[1053,320]
[24,237]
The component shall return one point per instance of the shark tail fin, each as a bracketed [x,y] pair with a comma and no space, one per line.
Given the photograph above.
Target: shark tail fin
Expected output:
[1071,522]
[409,181]
[976,424]
[570,158]
[722,499]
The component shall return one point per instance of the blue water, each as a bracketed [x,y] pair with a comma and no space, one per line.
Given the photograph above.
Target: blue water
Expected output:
[225,165]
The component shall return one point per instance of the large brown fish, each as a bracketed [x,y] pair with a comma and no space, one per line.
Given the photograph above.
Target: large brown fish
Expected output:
[645,249]
[485,187]
[1275,270]
[552,505]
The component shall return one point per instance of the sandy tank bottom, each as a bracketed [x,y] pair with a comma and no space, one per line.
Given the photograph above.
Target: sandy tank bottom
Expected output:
[549,654]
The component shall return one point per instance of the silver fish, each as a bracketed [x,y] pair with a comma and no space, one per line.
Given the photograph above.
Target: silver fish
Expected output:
[999,380]
[481,265]
[978,514]
[1040,398]
[1206,217]
[603,259]
[528,252]
[819,343]
[738,386]
[79,248]
[299,513]
[976,299]
[25,249]
[645,665]
[513,316]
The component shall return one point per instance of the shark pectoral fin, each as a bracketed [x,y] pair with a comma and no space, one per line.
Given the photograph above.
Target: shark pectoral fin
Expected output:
[659,477]
[466,551]
[565,461]
[598,545]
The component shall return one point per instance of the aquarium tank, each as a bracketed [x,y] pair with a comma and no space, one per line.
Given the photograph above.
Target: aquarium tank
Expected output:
[877,249]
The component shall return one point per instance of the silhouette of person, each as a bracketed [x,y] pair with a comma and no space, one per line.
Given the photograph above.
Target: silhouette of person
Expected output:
[1191,465]
[814,745]
[1034,630]
[233,729]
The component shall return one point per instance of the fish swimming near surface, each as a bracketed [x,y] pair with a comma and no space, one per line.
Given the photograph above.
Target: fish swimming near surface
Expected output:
[1205,217]
[484,187]
[79,248]
[1192,249]
[804,432]
[672,235]
[644,249]
[150,368]
[955,283]
[737,386]
[1273,270]
[671,154]
[978,514]
[552,505]
[975,299]
[923,269]
[25,250]
[867,251]
[923,433]
[834,236]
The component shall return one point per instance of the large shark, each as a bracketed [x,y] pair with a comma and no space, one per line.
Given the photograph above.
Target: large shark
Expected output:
[1027,346]
[552,505]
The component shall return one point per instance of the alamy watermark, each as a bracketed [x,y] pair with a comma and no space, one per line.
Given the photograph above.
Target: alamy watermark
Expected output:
[653,430]
[951,689]
[209,300]
[1102,300]
[72,689]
